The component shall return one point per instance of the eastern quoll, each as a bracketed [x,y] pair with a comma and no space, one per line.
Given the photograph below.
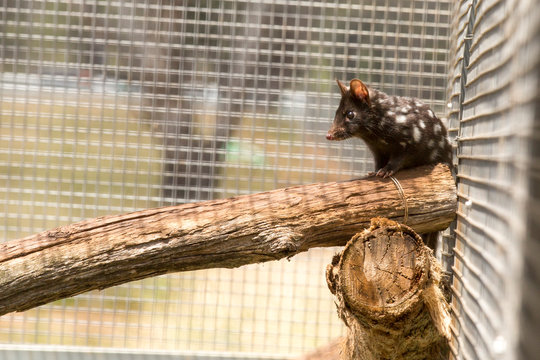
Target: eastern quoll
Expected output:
[401,132]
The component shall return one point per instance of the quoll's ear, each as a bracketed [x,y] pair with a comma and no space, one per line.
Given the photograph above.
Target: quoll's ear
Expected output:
[342,87]
[359,91]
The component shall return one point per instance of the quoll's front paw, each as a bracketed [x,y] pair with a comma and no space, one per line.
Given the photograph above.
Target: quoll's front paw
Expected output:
[385,172]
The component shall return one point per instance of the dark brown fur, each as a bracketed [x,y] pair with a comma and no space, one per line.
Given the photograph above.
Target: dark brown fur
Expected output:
[401,132]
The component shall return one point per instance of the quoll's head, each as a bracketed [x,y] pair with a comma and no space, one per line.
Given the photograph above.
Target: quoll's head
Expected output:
[354,105]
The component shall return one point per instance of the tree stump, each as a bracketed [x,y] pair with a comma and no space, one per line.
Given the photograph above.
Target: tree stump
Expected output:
[387,286]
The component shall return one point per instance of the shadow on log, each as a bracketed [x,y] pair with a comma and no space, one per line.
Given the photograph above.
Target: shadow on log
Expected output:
[111,250]
[387,286]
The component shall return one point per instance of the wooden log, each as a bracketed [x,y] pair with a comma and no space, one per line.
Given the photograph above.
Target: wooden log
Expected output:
[387,288]
[110,250]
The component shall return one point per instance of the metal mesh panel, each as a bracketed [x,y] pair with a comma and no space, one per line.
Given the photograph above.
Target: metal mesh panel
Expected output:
[493,92]
[112,106]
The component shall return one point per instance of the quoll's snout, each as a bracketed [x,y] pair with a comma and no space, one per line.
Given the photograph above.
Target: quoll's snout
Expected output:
[329,135]
[336,133]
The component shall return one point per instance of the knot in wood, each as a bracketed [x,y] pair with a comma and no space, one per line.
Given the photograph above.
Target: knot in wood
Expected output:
[282,241]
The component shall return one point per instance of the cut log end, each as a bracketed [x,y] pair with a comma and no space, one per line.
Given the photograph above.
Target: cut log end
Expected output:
[387,294]
[383,269]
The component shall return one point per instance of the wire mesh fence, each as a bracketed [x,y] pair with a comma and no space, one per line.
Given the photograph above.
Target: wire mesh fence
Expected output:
[494,117]
[112,106]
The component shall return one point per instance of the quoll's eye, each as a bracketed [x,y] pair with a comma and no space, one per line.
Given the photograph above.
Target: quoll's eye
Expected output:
[350,115]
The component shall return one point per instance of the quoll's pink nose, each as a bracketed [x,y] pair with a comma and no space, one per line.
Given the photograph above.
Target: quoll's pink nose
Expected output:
[329,136]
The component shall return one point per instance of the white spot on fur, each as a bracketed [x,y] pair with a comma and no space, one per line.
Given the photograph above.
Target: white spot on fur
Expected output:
[434,154]
[406,109]
[416,134]
[417,103]
[442,143]
[403,143]
[431,114]
[422,124]
[430,143]
[390,114]
[437,129]
[401,118]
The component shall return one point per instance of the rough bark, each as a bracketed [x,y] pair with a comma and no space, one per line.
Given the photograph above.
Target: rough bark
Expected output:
[110,250]
[387,287]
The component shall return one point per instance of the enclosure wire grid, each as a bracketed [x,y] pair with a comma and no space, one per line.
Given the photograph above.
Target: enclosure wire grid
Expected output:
[493,91]
[113,106]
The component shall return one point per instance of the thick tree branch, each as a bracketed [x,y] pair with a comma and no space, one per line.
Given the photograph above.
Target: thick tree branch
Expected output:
[110,250]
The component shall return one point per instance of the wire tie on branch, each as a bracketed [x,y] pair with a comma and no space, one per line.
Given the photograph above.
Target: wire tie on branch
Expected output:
[403,198]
